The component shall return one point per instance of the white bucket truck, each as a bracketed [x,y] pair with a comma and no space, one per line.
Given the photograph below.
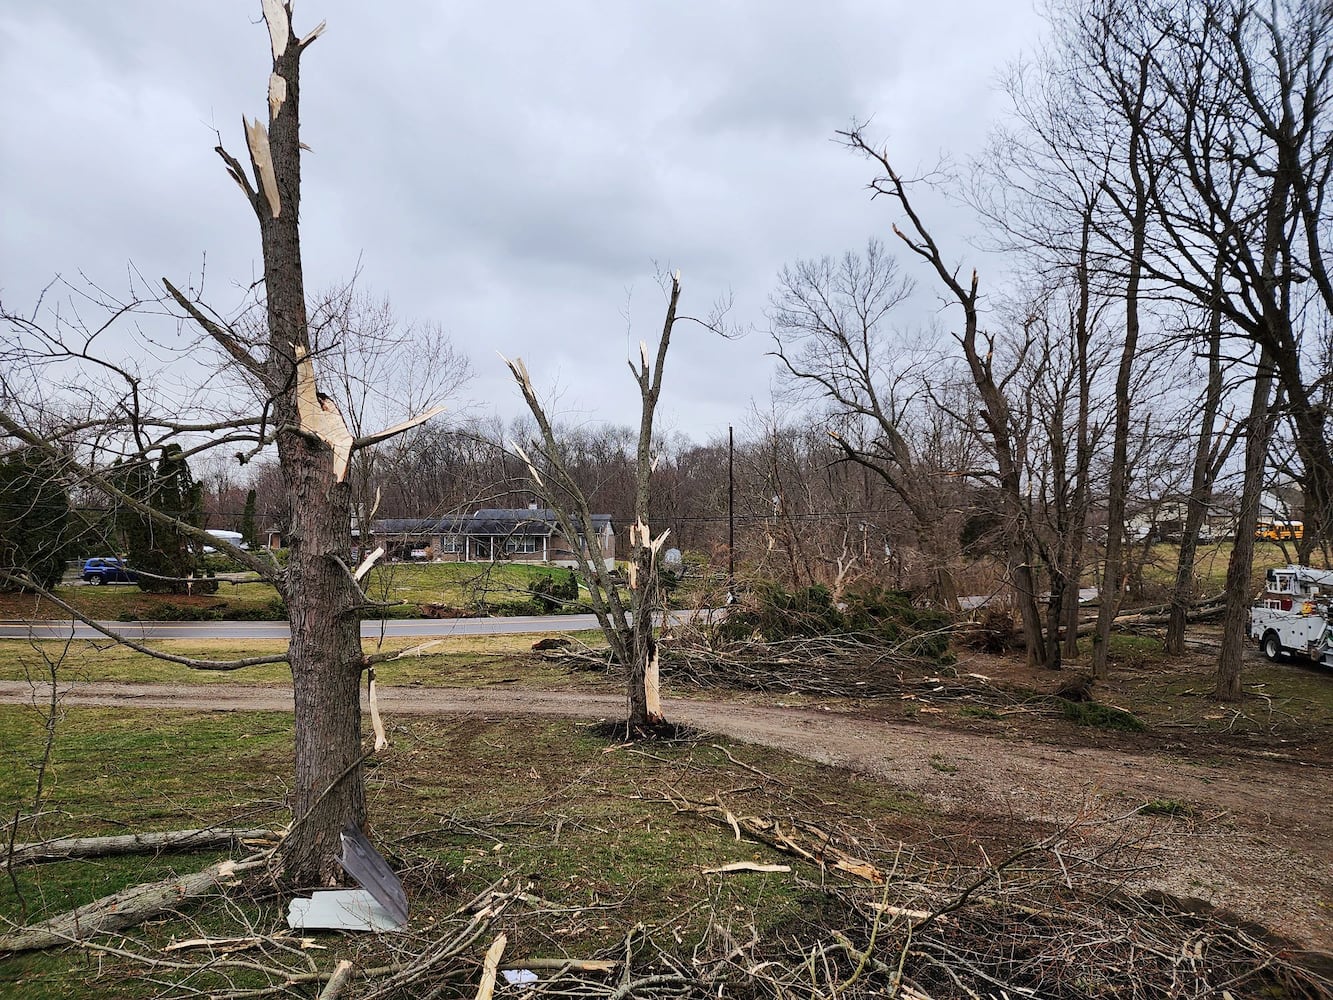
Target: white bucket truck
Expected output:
[1292,616]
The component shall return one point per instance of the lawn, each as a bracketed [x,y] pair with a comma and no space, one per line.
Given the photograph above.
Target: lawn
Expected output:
[467,588]
[466,661]
[593,848]
[591,828]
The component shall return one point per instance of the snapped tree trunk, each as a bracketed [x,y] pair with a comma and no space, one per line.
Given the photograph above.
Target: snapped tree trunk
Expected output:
[628,631]
[314,448]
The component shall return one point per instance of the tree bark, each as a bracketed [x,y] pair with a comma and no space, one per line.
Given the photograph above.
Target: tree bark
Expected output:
[1258,429]
[1118,487]
[1209,454]
[127,908]
[67,848]
[321,596]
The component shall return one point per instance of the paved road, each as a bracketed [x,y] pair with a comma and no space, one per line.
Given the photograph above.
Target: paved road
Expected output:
[408,628]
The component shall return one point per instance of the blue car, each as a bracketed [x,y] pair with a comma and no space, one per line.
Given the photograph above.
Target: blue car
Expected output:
[107,569]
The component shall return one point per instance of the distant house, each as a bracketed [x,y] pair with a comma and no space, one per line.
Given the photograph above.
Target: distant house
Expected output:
[1165,521]
[525,534]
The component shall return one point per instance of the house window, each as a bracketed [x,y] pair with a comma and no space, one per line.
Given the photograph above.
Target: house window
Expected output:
[451,544]
[523,545]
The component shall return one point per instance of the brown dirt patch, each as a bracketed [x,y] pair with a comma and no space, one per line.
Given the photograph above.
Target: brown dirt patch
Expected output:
[1255,803]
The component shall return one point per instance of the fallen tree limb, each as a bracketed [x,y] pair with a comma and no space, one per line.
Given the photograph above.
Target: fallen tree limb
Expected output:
[125,909]
[562,964]
[801,839]
[69,848]
[342,975]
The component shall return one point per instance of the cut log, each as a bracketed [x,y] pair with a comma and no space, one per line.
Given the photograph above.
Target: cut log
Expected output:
[69,848]
[127,908]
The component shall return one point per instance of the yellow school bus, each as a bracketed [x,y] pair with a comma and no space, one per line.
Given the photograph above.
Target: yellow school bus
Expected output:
[1278,531]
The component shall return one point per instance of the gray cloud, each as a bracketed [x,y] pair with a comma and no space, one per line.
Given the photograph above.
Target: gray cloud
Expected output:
[511,171]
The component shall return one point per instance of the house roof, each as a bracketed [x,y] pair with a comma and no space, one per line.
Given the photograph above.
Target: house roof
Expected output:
[490,521]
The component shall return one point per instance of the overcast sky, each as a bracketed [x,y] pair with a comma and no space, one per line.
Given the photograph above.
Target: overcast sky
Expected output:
[509,170]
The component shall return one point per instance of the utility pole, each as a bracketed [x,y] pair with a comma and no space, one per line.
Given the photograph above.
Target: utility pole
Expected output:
[731,515]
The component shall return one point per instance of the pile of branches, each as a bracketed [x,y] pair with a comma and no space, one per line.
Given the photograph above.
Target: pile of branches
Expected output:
[845,666]
[1053,919]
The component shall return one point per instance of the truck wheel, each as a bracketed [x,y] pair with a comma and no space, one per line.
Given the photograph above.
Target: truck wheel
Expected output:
[1270,646]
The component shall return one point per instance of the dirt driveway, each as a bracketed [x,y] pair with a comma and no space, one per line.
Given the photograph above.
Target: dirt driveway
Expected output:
[1257,841]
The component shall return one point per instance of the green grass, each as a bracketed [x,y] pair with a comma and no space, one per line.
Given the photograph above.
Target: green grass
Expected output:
[456,805]
[494,588]
[459,585]
[196,766]
[938,763]
[126,601]
[462,661]
[979,712]
[1091,713]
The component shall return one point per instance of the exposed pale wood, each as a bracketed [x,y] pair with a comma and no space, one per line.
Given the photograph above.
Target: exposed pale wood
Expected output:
[314,33]
[652,685]
[746,866]
[277,93]
[489,967]
[381,741]
[227,945]
[320,416]
[256,137]
[342,975]
[572,964]
[396,429]
[367,563]
[279,25]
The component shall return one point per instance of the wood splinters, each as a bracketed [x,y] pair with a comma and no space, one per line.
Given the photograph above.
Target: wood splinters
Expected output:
[279,25]
[342,975]
[256,137]
[277,93]
[319,415]
[381,740]
[746,866]
[490,966]
[314,33]
[367,563]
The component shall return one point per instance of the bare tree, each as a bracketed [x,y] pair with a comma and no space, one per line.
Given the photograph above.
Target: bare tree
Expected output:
[994,415]
[629,630]
[380,371]
[1233,150]
[315,447]
[832,333]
